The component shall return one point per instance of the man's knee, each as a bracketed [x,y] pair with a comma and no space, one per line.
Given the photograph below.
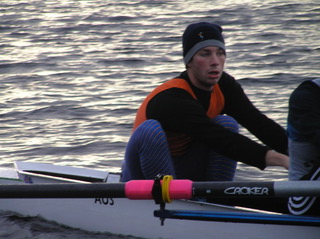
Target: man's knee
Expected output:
[227,122]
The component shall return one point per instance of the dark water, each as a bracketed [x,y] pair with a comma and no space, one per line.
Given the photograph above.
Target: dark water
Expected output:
[73,74]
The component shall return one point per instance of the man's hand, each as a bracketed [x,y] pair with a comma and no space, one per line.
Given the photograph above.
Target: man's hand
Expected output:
[274,158]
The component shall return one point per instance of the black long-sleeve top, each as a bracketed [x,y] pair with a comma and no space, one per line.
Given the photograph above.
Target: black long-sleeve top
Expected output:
[178,111]
[304,113]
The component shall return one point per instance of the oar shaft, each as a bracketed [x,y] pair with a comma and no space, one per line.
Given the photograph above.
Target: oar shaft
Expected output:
[233,189]
[256,189]
[63,190]
[177,189]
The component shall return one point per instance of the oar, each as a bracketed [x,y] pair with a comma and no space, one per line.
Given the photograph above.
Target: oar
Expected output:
[172,189]
[63,190]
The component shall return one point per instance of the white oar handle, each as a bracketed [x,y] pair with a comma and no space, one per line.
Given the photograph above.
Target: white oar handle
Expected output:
[297,188]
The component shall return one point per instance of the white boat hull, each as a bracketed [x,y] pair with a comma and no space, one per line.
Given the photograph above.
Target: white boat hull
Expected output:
[135,218]
[128,217]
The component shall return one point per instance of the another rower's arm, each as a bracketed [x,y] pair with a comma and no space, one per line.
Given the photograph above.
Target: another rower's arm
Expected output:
[274,158]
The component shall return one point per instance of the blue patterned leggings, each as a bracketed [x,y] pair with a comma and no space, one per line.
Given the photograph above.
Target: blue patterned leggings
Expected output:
[147,155]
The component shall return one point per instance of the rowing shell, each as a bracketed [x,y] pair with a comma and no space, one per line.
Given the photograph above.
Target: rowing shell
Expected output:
[140,217]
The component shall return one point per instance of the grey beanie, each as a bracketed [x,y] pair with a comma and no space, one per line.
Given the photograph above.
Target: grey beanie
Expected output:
[200,35]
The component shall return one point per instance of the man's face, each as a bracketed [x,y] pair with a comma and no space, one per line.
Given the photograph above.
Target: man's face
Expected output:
[206,67]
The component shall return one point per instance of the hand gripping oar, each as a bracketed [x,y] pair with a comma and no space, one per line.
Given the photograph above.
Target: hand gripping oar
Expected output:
[173,189]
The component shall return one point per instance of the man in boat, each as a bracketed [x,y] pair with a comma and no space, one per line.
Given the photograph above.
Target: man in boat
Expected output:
[304,128]
[304,142]
[188,126]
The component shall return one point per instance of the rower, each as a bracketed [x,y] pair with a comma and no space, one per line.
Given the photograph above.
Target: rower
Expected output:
[179,127]
[304,142]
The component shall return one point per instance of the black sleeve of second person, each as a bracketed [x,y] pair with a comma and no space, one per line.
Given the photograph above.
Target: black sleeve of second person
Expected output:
[177,111]
[304,111]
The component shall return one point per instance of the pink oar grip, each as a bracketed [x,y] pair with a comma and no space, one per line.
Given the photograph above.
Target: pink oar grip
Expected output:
[139,189]
[180,189]
[142,189]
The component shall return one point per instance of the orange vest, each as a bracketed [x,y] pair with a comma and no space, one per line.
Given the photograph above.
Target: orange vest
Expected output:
[178,142]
